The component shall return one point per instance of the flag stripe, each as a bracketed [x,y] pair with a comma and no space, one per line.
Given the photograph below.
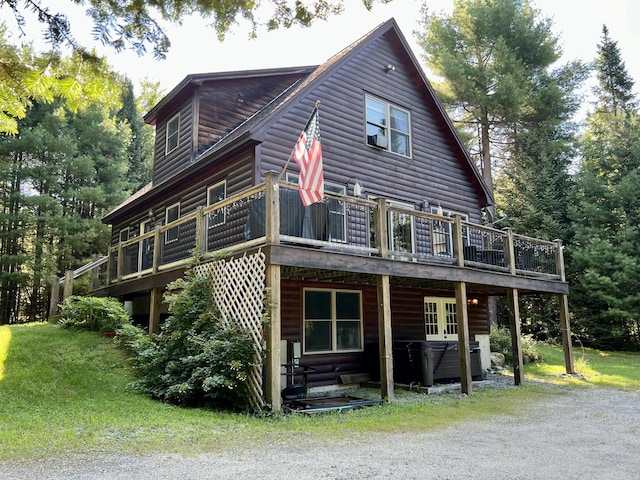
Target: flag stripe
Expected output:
[308,156]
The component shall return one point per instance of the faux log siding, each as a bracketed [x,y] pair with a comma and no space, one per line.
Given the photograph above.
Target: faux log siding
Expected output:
[407,313]
[220,111]
[165,166]
[435,172]
[238,174]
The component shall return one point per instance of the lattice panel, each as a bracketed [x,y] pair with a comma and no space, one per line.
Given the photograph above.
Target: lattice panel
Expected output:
[238,287]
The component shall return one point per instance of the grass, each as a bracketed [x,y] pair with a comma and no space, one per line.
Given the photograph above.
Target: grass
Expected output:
[64,392]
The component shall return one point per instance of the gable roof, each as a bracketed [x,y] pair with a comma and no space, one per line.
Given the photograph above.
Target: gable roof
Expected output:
[254,128]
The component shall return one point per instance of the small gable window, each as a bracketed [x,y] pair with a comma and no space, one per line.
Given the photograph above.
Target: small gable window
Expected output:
[173,131]
[388,127]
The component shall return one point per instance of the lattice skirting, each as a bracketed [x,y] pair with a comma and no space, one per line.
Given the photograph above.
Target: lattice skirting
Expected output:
[238,287]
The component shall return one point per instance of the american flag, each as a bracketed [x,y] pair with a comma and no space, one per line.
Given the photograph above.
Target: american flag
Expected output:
[308,155]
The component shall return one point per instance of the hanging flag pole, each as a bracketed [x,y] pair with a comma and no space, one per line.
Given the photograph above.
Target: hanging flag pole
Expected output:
[308,155]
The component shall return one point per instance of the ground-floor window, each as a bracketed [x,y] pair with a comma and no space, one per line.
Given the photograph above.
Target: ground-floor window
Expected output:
[332,320]
[440,319]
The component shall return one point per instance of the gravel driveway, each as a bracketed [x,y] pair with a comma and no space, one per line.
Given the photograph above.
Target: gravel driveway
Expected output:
[584,434]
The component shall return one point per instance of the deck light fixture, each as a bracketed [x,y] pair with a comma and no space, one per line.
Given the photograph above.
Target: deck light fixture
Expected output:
[357,189]
[389,67]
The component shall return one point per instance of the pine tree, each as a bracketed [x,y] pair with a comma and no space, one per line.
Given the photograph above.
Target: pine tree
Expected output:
[605,253]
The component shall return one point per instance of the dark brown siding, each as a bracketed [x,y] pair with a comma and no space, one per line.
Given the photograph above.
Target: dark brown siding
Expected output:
[436,171]
[164,166]
[225,104]
[407,312]
[239,176]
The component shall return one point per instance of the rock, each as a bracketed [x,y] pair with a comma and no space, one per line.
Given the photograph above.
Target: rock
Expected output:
[497,359]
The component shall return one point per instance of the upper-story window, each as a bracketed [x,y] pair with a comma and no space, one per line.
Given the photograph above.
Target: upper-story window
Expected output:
[171,215]
[124,234]
[173,132]
[388,127]
[215,194]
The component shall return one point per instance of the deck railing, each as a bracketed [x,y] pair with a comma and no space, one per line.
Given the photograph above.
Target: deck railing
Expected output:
[272,213]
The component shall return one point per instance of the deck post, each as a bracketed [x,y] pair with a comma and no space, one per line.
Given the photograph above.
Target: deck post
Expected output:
[382,229]
[272,203]
[120,264]
[55,296]
[94,273]
[200,231]
[154,310]
[509,251]
[462,318]
[156,249]
[68,284]
[565,322]
[385,339]
[516,342]
[458,245]
[273,335]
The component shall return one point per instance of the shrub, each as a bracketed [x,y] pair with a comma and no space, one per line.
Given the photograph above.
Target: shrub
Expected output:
[500,341]
[196,360]
[98,314]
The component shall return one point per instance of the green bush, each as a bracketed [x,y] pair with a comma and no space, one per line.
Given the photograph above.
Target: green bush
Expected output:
[98,314]
[196,360]
[500,341]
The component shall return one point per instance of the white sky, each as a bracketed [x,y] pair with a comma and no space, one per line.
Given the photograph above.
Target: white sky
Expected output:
[195,48]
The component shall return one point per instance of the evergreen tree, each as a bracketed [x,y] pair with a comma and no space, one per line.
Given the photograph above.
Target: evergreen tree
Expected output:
[605,253]
[62,173]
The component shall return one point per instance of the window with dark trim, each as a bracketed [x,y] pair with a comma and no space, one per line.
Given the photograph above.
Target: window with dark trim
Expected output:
[332,320]
[388,127]
[171,215]
[173,133]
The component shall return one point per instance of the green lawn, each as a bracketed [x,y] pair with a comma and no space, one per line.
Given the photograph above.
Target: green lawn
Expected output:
[65,392]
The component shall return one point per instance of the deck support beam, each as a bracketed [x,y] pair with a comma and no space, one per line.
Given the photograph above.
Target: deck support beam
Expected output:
[154,310]
[565,327]
[385,346]
[273,335]
[462,318]
[516,342]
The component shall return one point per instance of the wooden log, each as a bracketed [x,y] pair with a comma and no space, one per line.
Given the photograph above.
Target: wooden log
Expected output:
[385,337]
[273,337]
[516,342]
[462,319]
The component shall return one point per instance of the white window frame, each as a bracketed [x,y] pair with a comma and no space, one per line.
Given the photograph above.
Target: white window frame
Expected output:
[440,318]
[392,236]
[446,229]
[334,321]
[385,128]
[144,245]
[172,234]
[172,134]
[124,235]
[217,217]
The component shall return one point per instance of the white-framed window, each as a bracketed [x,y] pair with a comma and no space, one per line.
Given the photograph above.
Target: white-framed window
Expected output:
[332,320]
[388,127]
[171,215]
[337,209]
[401,229]
[145,247]
[173,133]
[443,233]
[124,234]
[440,320]
[216,193]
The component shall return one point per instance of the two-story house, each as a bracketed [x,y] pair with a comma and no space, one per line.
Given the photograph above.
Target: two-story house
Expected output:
[394,258]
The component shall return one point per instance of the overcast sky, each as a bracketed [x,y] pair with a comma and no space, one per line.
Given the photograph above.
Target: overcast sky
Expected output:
[195,48]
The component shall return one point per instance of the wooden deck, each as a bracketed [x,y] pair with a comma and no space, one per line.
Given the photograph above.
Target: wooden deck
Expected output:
[364,244]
